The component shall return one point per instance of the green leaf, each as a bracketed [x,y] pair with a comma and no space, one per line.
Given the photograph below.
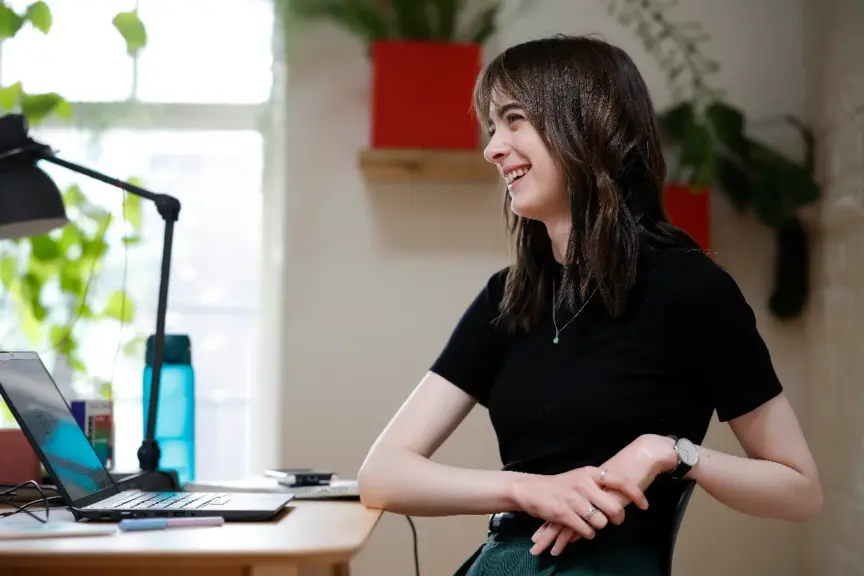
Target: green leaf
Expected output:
[39,15]
[135,347]
[77,364]
[8,270]
[734,181]
[10,22]
[60,339]
[105,390]
[727,123]
[132,206]
[446,15]
[6,416]
[132,30]
[362,20]
[120,306]
[678,121]
[72,279]
[73,197]
[10,95]
[36,107]
[483,25]
[44,248]
[412,22]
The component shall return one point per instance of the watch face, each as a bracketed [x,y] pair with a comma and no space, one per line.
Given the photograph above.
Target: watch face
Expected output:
[687,452]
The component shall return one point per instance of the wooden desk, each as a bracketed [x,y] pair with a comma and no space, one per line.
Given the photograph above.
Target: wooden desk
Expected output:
[308,539]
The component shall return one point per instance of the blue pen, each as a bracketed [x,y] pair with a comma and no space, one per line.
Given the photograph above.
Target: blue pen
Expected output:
[163,523]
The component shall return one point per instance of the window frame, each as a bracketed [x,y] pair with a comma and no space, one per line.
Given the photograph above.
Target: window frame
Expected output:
[264,404]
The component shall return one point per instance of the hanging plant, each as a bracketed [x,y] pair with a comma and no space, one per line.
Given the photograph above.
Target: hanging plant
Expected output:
[707,137]
[46,280]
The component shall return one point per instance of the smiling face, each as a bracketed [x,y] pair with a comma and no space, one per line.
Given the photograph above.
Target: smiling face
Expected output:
[535,181]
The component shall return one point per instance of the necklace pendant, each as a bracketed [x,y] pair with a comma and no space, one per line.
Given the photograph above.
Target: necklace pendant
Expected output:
[555,340]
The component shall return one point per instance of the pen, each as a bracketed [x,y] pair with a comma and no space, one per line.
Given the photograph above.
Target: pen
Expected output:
[163,523]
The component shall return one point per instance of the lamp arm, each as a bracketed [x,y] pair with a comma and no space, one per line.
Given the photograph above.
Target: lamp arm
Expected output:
[169,208]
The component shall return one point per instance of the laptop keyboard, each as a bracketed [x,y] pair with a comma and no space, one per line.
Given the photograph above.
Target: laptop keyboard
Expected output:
[165,501]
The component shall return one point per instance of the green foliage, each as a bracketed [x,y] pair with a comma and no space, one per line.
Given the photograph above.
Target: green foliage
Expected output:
[713,148]
[431,20]
[59,267]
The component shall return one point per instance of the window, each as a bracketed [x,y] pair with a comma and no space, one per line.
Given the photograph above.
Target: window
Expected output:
[186,119]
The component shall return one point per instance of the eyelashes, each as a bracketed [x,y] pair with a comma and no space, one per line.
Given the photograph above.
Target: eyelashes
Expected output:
[511,118]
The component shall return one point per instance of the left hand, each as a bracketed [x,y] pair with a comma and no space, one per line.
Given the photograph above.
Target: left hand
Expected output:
[640,461]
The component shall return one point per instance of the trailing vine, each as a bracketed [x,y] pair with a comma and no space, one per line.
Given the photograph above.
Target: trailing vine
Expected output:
[706,136]
[47,280]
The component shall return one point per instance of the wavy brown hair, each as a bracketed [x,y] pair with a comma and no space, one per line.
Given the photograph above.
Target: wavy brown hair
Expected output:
[589,103]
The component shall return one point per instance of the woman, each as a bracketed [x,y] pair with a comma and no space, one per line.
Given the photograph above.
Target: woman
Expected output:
[601,353]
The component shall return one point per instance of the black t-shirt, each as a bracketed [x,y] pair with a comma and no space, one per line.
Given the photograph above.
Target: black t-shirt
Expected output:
[686,346]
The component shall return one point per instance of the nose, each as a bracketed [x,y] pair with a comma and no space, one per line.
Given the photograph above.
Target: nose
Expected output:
[497,149]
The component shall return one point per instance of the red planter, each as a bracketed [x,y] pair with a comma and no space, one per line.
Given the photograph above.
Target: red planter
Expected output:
[18,462]
[690,210]
[421,95]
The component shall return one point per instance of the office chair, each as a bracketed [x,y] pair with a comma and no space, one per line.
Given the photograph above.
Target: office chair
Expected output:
[680,508]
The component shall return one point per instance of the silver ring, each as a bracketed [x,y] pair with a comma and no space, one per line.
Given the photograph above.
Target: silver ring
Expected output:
[591,511]
[602,474]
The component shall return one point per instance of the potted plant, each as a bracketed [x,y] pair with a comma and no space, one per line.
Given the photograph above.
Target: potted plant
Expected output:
[710,149]
[425,57]
[66,261]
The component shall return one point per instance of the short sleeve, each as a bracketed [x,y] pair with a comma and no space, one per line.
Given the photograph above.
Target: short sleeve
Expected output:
[472,355]
[731,359]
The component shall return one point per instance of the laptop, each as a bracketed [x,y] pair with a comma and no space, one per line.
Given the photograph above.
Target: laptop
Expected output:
[82,480]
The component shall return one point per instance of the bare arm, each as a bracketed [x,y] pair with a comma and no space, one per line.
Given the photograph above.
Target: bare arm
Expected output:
[399,476]
[778,478]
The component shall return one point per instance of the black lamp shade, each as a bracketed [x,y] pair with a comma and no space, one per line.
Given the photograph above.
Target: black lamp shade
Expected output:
[30,202]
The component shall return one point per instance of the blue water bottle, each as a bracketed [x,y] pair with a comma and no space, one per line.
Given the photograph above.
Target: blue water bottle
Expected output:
[175,417]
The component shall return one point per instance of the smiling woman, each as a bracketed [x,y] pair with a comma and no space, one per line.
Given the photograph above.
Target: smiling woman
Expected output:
[602,352]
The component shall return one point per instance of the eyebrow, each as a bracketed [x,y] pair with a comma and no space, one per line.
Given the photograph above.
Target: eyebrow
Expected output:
[507,108]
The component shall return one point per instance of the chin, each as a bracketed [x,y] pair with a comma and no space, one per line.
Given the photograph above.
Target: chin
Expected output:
[526,207]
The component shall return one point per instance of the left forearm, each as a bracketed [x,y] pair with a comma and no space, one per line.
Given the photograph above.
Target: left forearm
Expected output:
[757,487]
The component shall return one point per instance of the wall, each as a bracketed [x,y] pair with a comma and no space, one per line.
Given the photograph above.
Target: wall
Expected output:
[376,277]
[835,396]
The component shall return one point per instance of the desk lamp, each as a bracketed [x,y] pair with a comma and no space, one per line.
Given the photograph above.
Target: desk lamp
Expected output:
[31,205]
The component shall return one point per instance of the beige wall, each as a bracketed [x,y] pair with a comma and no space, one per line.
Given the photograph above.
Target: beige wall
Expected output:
[835,395]
[376,277]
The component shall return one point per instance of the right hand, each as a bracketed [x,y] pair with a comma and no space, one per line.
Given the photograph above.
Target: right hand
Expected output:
[577,499]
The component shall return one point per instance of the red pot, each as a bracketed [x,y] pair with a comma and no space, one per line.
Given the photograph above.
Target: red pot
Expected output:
[18,462]
[690,210]
[421,95]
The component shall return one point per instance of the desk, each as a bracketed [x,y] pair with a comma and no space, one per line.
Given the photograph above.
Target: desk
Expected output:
[311,538]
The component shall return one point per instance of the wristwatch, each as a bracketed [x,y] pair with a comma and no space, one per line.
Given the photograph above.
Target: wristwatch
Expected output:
[688,457]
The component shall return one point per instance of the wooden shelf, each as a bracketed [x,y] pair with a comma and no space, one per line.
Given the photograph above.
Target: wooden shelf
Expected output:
[414,165]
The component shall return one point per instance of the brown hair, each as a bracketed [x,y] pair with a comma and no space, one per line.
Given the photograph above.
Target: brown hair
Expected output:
[589,103]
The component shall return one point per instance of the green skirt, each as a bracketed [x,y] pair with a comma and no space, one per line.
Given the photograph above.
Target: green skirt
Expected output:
[511,556]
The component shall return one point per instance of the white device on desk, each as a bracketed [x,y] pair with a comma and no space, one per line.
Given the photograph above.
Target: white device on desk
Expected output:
[336,490]
[82,480]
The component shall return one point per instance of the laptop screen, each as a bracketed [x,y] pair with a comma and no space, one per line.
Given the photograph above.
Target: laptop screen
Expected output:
[42,411]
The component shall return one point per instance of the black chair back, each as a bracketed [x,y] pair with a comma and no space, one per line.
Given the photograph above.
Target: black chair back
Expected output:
[681,507]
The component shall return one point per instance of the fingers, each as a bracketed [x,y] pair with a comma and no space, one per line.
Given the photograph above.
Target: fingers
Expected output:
[610,479]
[608,505]
[554,535]
[593,514]
[544,537]
[562,540]
[568,516]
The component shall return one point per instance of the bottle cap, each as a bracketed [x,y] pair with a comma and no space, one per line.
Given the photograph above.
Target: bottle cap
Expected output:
[177,350]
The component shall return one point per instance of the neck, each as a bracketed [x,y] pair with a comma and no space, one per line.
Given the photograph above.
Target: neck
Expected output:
[559,235]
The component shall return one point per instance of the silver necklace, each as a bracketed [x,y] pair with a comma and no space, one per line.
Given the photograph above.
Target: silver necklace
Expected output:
[559,330]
